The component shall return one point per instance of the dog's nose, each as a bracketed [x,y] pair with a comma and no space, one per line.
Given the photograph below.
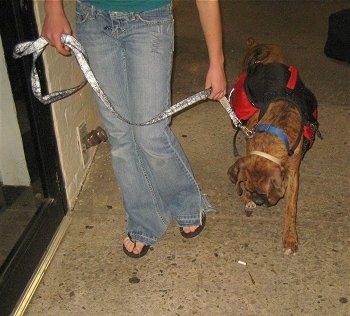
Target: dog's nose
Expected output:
[260,199]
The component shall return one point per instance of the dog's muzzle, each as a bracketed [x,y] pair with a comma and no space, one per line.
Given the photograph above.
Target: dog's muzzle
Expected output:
[261,199]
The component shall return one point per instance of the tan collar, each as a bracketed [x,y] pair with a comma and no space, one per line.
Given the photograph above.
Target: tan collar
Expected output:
[267,156]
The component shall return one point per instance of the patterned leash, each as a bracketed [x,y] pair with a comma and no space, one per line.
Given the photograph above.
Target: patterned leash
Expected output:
[37,47]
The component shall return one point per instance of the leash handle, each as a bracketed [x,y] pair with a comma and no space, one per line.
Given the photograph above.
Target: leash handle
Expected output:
[37,47]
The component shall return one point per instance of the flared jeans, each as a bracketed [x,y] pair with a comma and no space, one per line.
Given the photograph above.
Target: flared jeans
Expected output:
[131,55]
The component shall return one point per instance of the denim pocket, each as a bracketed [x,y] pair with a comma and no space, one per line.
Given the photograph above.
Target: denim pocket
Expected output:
[157,16]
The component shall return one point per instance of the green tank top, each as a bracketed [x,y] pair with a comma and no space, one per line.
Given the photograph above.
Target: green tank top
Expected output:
[128,5]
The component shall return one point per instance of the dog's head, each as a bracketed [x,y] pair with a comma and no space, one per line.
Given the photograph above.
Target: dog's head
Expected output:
[262,180]
[262,53]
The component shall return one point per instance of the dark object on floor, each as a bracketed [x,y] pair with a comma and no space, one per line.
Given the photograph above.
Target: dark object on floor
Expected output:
[338,41]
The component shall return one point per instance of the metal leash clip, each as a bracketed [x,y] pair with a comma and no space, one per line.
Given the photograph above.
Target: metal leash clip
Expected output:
[236,121]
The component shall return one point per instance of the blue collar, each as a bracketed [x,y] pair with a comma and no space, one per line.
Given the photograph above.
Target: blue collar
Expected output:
[276,131]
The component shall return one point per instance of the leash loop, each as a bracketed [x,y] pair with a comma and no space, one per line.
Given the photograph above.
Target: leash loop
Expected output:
[36,48]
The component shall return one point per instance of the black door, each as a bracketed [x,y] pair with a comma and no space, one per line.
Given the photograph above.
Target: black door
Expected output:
[29,214]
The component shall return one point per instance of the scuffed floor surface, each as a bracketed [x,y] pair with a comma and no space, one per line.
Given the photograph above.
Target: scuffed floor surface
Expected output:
[90,275]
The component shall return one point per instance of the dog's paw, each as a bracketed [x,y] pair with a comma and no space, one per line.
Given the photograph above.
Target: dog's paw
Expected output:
[290,248]
[289,252]
[249,208]
[250,205]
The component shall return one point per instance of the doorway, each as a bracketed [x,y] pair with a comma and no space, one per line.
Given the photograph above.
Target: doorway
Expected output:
[32,204]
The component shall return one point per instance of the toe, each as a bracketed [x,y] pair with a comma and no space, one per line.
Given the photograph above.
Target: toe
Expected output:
[190,229]
[138,248]
[129,244]
[133,247]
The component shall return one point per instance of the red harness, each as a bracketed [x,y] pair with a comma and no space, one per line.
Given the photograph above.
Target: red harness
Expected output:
[245,109]
[239,101]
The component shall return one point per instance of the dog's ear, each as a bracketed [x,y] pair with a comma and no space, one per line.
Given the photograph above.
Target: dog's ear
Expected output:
[256,53]
[251,42]
[237,174]
[262,53]
[277,183]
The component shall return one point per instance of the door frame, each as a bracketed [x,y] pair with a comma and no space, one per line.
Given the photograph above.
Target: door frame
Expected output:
[18,269]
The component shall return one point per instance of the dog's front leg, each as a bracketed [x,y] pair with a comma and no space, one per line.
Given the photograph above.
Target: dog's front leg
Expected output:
[290,237]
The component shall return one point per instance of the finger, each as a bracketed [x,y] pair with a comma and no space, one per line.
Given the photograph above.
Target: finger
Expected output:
[65,50]
[55,41]
[217,94]
[62,49]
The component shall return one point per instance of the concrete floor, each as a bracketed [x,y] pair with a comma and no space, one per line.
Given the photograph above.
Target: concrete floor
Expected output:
[90,275]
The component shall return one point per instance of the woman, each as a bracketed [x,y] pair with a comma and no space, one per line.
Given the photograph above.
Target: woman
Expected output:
[130,49]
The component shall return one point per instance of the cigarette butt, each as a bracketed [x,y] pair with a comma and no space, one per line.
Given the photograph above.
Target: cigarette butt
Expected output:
[242,262]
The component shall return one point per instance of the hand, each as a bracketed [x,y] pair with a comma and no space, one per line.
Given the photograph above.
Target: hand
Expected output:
[55,24]
[216,80]
[209,14]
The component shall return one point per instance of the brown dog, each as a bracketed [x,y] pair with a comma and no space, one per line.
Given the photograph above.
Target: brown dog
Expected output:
[270,169]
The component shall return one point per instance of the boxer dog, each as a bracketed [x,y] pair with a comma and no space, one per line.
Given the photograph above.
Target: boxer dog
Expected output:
[272,101]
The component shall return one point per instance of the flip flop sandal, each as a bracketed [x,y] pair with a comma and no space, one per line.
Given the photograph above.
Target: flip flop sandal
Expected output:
[197,231]
[134,255]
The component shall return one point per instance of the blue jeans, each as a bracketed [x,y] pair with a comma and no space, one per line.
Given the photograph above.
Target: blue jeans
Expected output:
[131,55]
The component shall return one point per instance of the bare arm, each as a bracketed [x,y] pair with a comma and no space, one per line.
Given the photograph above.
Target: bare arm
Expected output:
[209,14]
[55,24]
